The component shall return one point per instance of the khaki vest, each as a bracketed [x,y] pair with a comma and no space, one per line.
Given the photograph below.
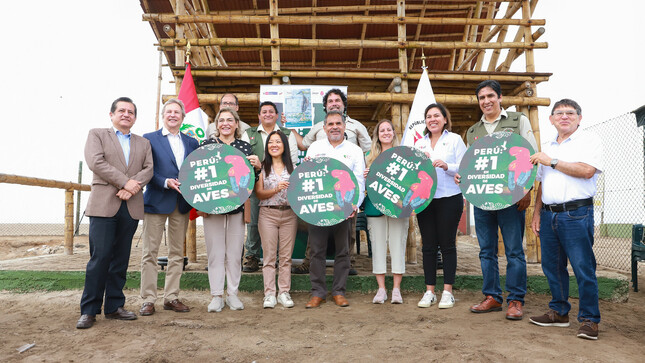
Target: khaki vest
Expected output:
[479,130]
[255,139]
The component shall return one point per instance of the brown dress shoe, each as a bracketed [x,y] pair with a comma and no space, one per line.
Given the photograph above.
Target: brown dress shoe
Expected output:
[147,308]
[514,311]
[121,314]
[85,321]
[340,300]
[487,305]
[314,302]
[176,306]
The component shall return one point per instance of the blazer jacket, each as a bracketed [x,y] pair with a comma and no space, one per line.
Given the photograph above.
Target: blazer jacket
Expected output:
[104,156]
[157,199]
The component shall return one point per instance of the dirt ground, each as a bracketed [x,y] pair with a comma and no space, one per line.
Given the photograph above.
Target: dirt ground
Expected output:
[360,332]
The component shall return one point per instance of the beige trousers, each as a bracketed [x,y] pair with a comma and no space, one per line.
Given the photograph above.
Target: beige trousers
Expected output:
[224,238]
[278,230]
[153,226]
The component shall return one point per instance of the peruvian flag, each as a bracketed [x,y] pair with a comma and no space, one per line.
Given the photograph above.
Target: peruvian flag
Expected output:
[194,125]
[417,120]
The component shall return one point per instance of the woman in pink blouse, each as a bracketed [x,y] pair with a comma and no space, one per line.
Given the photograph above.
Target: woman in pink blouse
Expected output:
[277,223]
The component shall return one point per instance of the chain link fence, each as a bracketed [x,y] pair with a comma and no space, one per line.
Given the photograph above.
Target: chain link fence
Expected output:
[620,200]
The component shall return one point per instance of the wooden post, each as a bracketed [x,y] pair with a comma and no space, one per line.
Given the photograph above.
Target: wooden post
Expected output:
[528,36]
[78,195]
[69,221]
[191,241]
[275,35]
[411,246]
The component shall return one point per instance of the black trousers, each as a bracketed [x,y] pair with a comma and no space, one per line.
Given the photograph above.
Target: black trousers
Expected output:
[105,275]
[438,226]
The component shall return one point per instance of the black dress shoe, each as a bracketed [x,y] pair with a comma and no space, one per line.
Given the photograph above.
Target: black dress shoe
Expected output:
[85,321]
[121,314]
[352,272]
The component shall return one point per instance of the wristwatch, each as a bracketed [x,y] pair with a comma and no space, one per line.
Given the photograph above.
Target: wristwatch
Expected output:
[554,162]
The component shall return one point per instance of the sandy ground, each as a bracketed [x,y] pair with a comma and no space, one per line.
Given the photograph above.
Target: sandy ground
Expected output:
[361,332]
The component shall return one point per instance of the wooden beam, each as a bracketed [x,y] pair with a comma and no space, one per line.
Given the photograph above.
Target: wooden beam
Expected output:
[344,43]
[313,34]
[462,51]
[526,14]
[231,73]
[417,34]
[339,9]
[511,55]
[39,182]
[375,97]
[332,20]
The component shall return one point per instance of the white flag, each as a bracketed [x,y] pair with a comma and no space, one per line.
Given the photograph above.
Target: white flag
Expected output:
[417,120]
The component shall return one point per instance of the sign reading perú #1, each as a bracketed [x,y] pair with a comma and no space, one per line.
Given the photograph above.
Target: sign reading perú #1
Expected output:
[323,191]
[401,180]
[216,178]
[496,171]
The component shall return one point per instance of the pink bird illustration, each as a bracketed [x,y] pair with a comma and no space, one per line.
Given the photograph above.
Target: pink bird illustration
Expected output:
[239,171]
[520,169]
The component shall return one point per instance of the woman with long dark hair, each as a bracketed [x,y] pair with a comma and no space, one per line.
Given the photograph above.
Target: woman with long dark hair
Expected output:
[439,221]
[277,223]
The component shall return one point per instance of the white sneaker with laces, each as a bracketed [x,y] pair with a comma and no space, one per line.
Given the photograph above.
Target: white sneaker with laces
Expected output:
[428,299]
[269,302]
[216,305]
[234,302]
[447,300]
[285,300]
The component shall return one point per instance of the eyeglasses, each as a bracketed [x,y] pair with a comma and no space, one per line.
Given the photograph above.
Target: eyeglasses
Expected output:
[229,103]
[569,113]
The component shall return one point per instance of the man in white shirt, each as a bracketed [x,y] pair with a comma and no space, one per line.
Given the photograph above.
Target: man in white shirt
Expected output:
[257,136]
[334,146]
[356,133]
[228,100]
[569,167]
[163,202]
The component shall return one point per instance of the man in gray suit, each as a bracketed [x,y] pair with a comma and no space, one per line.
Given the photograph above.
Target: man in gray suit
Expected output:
[122,165]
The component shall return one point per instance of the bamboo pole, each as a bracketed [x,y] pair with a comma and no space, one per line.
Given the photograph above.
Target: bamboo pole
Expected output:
[417,33]
[344,9]
[191,238]
[69,221]
[257,31]
[48,183]
[535,36]
[344,43]
[331,20]
[159,79]
[275,49]
[363,31]
[465,76]
[506,65]
[526,14]
[492,64]
[78,195]
[313,35]
[467,29]
[369,98]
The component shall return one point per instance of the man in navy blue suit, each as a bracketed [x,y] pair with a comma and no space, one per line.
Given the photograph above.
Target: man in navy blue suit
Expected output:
[163,202]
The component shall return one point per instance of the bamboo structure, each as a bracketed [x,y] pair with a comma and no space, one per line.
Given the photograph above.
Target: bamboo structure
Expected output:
[69,188]
[366,45]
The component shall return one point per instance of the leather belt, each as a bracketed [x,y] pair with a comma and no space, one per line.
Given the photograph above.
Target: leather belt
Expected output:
[279,207]
[572,205]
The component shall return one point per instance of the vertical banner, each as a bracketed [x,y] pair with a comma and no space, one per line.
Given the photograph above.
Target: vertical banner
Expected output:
[417,120]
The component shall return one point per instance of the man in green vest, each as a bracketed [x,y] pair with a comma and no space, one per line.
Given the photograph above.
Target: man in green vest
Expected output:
[257,136]
[510,220]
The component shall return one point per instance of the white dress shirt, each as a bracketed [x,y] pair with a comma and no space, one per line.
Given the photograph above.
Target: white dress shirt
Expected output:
[349,154]
[293,144]
[450,148]
[356,134]
[558,187]
[177,147]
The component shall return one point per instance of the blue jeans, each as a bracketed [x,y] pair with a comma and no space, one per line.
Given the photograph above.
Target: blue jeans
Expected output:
[511,222]
[569,235]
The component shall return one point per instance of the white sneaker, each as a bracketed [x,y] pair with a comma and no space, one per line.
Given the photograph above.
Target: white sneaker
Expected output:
[428,299]
[285,300]
[447,300]
[216,305]
[380,297]
[396,296]
[234,302]
[269,302]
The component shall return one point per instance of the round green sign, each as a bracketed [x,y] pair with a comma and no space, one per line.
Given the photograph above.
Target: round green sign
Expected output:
[496,172]
[323,191]
[216,178]
[401,180]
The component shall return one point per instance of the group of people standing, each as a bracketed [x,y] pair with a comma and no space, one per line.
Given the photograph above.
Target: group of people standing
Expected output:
[123,163]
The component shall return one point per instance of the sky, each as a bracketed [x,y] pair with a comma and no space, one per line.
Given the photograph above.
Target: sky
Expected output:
[65,63]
